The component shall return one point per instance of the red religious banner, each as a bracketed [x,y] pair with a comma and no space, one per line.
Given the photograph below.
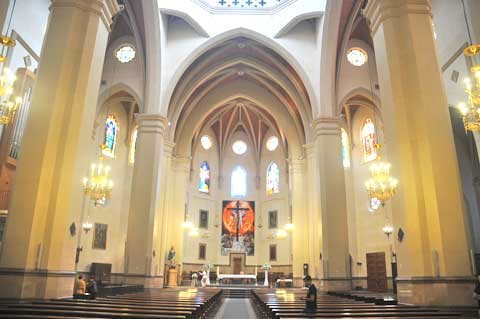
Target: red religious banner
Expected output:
[238,227]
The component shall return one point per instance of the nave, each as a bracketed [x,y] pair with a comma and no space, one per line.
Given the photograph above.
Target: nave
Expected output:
[196,303]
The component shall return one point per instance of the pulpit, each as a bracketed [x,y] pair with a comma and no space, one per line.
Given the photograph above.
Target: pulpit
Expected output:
[172,277]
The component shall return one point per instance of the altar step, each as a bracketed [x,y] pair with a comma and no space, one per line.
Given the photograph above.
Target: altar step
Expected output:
[236,293]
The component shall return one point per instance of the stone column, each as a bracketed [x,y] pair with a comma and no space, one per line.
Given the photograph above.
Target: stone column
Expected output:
[433,259]
[300,238]
[38,255]
[332,196]
[145,204]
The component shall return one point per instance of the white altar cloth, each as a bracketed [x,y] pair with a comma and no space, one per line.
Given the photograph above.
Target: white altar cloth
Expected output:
[226,276]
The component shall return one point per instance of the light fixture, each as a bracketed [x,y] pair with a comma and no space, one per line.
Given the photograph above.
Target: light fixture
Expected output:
[125,53]
[8,102]
[381,185]
[289,227]
[187,225]
[206,142]
[193,232]
[281,234]
[272,143]
[387,230]
[98,186]
[357,56]
[239,147]
[87,226]
[5,40]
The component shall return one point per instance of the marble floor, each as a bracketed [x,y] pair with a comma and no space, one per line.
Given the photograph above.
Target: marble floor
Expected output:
[236,308]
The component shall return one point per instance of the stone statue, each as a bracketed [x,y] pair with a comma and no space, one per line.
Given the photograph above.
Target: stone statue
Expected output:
[171,258]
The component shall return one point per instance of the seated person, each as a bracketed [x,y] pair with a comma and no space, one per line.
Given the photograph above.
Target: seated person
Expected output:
[79,287]
[92,288]
[311,298]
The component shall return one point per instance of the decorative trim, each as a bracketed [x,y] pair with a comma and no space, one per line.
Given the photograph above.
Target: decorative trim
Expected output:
[436,280]
[326,126]
[105,9]
[377,11]
[151,123]
[39,273]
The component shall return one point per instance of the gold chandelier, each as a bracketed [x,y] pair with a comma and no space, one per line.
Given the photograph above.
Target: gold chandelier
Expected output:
[471,110]
[98,186]
[381,185]
[8,102]
[6,41]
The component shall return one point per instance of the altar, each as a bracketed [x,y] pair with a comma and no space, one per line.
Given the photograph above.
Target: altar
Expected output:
[241,278]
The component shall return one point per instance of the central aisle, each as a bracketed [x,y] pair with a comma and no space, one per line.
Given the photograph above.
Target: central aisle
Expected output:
[236,308]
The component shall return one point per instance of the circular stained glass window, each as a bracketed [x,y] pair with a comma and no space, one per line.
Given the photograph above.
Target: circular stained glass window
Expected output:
[125,53]
[357,56]
[272,143]
[239,147]
[374,204]
[206,142]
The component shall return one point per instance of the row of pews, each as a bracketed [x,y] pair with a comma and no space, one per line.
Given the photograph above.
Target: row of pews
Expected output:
[153,303]
[286,303]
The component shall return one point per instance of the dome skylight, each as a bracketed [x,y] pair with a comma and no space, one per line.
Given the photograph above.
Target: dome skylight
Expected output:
[243,4]
[125,53]
[239,147]
[357,56]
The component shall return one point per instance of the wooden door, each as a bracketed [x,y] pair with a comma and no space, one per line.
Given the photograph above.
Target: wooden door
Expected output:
[376,272]
[237,265]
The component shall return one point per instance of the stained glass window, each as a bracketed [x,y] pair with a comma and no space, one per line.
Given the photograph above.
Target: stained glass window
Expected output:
[345,149]
[273,179]
[111,130]
[369,140]
[133,147]
[204,183]
[239,182]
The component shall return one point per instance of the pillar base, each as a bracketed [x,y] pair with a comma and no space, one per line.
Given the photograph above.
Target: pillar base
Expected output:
[43,284]
[146,281]
[436,291]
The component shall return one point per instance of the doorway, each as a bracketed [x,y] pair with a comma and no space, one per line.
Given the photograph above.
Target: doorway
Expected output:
[377,272]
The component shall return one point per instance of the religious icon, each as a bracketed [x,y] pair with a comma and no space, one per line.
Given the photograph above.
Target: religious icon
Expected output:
[100,236]
[203,219]
[272,219]
[238,227]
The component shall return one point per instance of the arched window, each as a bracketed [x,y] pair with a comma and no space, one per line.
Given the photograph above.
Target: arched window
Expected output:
[239,182]
[133,146]
[345,149]
[204,182]
[111,130]
[273,179]
[369,140]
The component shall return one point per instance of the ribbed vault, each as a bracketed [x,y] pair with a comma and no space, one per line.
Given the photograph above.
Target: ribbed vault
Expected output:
[239,85]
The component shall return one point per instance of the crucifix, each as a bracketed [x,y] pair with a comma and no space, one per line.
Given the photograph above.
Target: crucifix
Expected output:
[237,210]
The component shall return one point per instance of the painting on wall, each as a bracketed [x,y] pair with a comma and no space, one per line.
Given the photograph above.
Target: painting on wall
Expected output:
[273,252]
[238,227]
[202,251]
[272,219]
[100,236]
[203,219]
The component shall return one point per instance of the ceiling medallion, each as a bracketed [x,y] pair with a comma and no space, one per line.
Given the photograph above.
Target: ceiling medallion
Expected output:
[357,56]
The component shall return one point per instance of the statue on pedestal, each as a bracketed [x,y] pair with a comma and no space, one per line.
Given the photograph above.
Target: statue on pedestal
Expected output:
[172,268]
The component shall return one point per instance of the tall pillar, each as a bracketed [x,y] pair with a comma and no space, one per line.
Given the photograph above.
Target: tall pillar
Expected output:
[38,255]
[300,236]
[433,259]
[333,204]
[145,204]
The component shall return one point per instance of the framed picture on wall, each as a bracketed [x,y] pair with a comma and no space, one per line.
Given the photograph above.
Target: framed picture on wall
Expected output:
[273,252]
[203,223]
[272,219]
[202,251]
[100,236]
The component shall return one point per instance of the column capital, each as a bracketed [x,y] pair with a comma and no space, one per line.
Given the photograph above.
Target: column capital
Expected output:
[168,147]
[296,166]
[151,123]
[105,9]
[326,126]
[310,150]
[378,11]
[182,163]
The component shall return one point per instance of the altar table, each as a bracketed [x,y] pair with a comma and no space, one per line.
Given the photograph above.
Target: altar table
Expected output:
[222,277]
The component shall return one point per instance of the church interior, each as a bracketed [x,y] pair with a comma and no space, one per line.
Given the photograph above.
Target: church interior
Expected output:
[225,158]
